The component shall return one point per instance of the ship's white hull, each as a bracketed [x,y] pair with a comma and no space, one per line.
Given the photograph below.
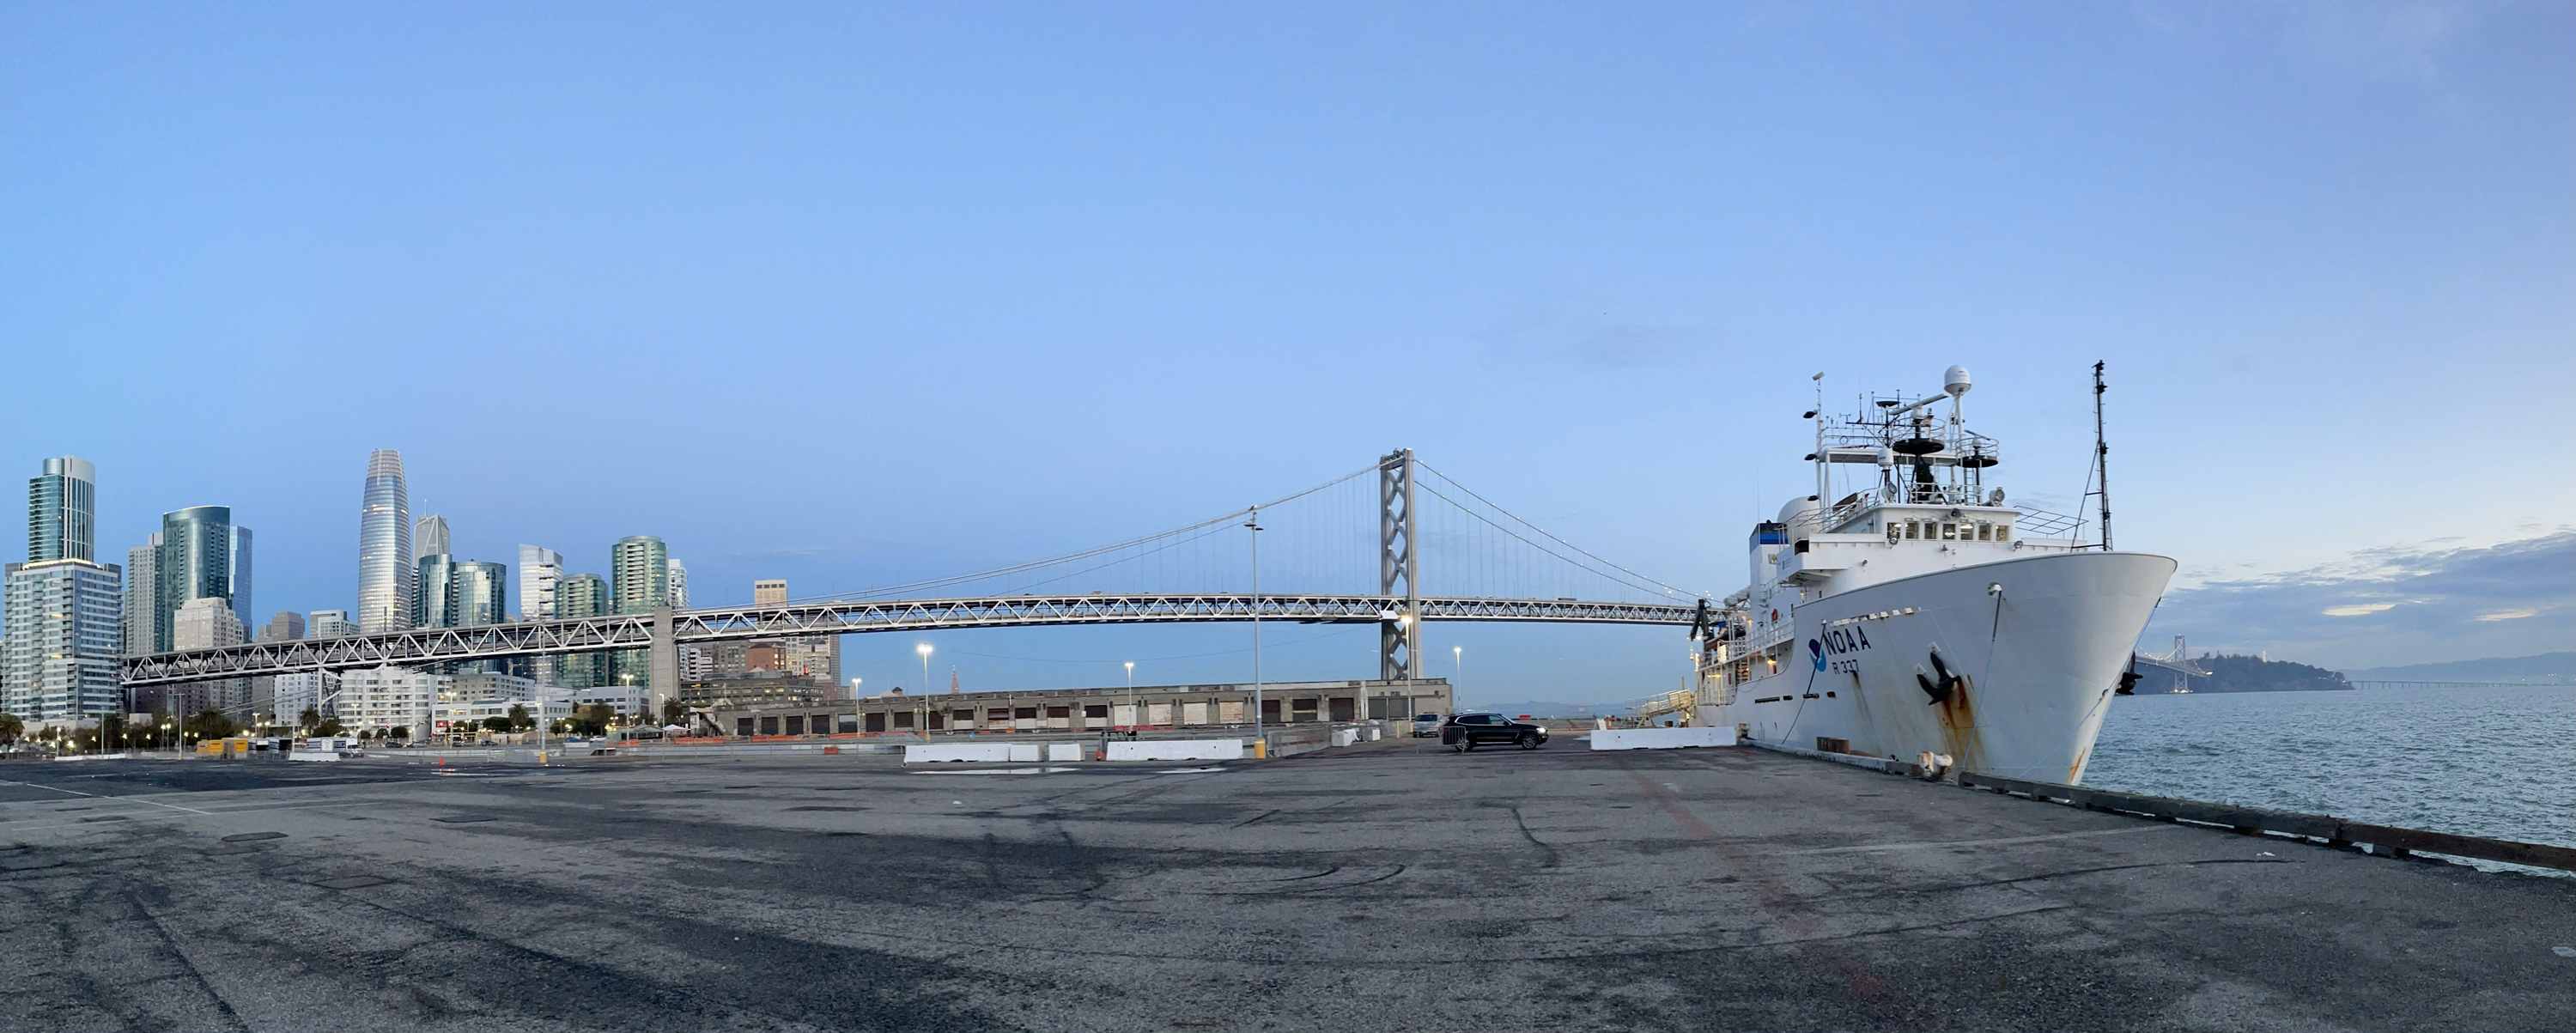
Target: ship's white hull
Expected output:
[2036,662]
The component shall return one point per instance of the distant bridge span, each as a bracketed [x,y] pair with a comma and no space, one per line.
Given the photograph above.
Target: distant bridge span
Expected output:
[663,631]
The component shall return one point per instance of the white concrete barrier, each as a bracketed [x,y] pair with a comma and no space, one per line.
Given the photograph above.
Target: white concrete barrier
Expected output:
[1345,736]
[978,752]
[1059,752]
[1177,749]
[312,755]
[1661,738]
[1027,753]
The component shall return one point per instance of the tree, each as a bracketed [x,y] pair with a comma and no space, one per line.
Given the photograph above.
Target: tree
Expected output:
[496,724]
[329,726]
[518,719]
[209,723]
[309,720]
[672,711]
[402,732]
[594,719]
[10,729]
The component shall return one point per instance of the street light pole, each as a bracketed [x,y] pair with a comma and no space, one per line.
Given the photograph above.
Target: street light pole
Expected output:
[1457,661]
[1131,696]
[924,650]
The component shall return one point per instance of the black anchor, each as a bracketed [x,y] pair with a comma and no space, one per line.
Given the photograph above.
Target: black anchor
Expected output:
[1939,691]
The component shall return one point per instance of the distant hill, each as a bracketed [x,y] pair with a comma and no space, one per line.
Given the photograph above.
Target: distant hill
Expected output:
[2255,674]
[1547,708]
[2544,669]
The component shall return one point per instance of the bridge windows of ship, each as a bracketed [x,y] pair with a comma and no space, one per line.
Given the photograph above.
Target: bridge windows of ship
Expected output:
[1949,530]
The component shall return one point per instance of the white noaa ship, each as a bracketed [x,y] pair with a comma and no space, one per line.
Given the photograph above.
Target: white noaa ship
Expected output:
[1920,614]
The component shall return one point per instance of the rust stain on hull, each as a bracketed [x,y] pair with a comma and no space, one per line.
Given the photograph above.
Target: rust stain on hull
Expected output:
[1958,715]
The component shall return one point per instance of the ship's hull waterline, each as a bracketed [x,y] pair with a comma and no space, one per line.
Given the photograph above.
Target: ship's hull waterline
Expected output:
[2033,648]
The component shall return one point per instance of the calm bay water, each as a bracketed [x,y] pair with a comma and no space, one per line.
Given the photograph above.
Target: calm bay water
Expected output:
[2485,762]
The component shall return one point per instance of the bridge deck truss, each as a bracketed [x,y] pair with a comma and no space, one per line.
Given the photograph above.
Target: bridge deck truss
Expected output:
[636,630]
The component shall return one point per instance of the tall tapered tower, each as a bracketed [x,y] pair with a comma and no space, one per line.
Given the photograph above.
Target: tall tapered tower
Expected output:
[384,546]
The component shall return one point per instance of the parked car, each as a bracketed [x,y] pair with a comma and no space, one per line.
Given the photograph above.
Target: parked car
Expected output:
[1467,731]
[1426,725]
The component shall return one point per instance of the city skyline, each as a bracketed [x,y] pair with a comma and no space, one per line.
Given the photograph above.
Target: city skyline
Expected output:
[1586,264]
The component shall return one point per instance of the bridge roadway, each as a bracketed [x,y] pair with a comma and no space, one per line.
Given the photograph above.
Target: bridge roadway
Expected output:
[664,629]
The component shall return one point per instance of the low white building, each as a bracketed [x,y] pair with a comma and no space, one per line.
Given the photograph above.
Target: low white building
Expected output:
[314,690]
[463,717]
[490,685]
[383,698]
[626,700]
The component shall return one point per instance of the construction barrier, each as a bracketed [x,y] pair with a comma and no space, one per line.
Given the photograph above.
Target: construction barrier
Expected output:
[1177,749]
[979,752]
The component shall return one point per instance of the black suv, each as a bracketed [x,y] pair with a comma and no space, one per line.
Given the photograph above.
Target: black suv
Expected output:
[1467,731]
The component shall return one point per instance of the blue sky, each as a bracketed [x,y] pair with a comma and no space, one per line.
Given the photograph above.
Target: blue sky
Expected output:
[857,294]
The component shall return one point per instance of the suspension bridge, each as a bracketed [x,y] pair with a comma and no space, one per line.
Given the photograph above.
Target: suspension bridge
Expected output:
[1374,527]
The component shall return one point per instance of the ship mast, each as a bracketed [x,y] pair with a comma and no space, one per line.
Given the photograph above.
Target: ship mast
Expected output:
[2101,456]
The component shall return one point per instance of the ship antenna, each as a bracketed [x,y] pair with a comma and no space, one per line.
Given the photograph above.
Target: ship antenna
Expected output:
[2101,456]
[1822,460]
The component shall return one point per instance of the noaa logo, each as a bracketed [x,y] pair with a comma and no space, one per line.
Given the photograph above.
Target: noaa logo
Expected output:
[1835,646]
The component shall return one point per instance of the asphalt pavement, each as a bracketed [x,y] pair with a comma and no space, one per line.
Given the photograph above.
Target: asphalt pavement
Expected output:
[1393,886]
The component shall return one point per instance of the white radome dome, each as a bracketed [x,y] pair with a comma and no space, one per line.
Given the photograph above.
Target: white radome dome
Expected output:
[1954,381]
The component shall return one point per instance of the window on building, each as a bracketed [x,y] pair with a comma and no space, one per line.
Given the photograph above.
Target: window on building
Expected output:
[796,725]
[876,722]
[938,720]
[1949,531]
[1095,710]
[768,726]
[1057,712]
[1025,713]
[903,721]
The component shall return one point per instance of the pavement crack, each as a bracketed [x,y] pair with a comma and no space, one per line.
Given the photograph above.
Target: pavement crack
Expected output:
[171,940]
[1533,837]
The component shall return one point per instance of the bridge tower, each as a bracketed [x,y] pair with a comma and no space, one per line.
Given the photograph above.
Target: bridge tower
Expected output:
[1399,641]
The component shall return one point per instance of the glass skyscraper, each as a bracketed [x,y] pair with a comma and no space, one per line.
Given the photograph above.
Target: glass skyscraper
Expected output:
[477,593]
[384,546]
[195,561]
[432,579]
[62,506]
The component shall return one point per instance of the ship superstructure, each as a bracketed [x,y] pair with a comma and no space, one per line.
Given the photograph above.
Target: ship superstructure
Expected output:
[1921,613]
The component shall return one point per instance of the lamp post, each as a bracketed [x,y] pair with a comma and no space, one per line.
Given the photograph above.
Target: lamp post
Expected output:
[924,650]
[1253,521]
[1131,697]
[1457,661]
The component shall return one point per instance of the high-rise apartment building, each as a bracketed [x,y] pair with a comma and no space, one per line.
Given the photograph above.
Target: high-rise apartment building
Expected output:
[677,591]
[195,561]
[582,595]
[287,626]
[639,572]
[429,536]
[62,506]
[769,592]
[61,628]
[206,622]
[331,624]
[539,569]
[142,596]
[384,546]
